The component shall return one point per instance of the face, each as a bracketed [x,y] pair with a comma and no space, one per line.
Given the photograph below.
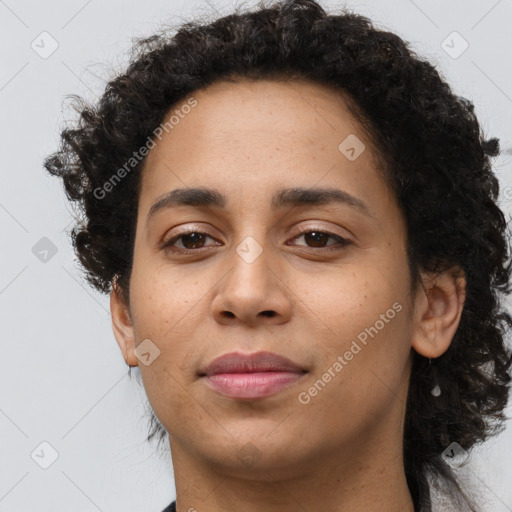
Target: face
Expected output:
[322,282]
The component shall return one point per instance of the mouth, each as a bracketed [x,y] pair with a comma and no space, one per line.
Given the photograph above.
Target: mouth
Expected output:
[251,376]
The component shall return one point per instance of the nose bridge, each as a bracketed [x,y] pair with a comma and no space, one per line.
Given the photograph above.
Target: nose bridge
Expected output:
[251,265]
[253,251]
[250,230]
[251,289]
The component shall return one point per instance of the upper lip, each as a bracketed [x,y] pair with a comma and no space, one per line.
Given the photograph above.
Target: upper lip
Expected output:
[238,362]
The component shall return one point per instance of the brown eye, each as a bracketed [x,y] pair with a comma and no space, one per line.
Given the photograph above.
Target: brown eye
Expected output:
[189,241]
[318,239]
[192,240]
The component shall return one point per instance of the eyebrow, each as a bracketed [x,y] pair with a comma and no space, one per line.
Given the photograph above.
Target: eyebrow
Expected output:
[208,197]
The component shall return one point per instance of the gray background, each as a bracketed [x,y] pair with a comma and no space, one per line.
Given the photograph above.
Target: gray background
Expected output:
[63,378]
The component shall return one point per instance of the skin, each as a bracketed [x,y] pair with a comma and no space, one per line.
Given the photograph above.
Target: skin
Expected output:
[343,450]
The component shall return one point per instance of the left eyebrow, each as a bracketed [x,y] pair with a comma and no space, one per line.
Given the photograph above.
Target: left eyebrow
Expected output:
[297,196]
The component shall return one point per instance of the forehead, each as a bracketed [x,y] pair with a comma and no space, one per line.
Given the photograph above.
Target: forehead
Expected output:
[265,110]
[258,133]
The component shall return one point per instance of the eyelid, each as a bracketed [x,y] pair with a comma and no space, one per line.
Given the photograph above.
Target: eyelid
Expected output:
[316,227]
[190,228]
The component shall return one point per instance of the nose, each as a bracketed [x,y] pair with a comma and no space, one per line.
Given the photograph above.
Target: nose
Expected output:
[252,291]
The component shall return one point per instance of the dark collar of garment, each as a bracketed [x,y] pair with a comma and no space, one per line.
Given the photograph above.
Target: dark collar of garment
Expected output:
[170,508]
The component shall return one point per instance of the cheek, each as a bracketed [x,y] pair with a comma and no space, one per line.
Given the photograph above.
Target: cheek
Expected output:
[164,301]
[362,351]
[167,310]
[170,306]
[352,297]
[361,313]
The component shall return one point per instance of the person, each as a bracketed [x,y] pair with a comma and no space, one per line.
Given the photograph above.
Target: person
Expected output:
[296,220]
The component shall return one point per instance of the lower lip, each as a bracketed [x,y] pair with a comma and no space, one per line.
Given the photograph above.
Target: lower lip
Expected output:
[251,385]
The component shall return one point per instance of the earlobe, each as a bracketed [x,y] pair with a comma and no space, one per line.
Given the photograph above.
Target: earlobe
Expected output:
[438,309]
[122,326]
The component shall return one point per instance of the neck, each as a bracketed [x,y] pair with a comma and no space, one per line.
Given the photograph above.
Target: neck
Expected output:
[363,478]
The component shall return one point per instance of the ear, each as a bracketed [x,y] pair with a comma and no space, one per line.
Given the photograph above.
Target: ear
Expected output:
[122,325]
[438,309]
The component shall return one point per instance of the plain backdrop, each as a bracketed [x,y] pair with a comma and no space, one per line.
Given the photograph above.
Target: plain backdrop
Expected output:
[66,401]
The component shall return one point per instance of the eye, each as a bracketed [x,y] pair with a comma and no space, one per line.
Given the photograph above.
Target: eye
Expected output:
[190,240]
[318,238]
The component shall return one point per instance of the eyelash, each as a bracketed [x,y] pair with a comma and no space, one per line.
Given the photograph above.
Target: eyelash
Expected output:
[342,242]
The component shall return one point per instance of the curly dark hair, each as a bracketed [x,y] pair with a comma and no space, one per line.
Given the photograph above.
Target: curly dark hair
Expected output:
[434,155]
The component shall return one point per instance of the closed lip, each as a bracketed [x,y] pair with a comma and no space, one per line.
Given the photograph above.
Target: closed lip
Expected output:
[238,362]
